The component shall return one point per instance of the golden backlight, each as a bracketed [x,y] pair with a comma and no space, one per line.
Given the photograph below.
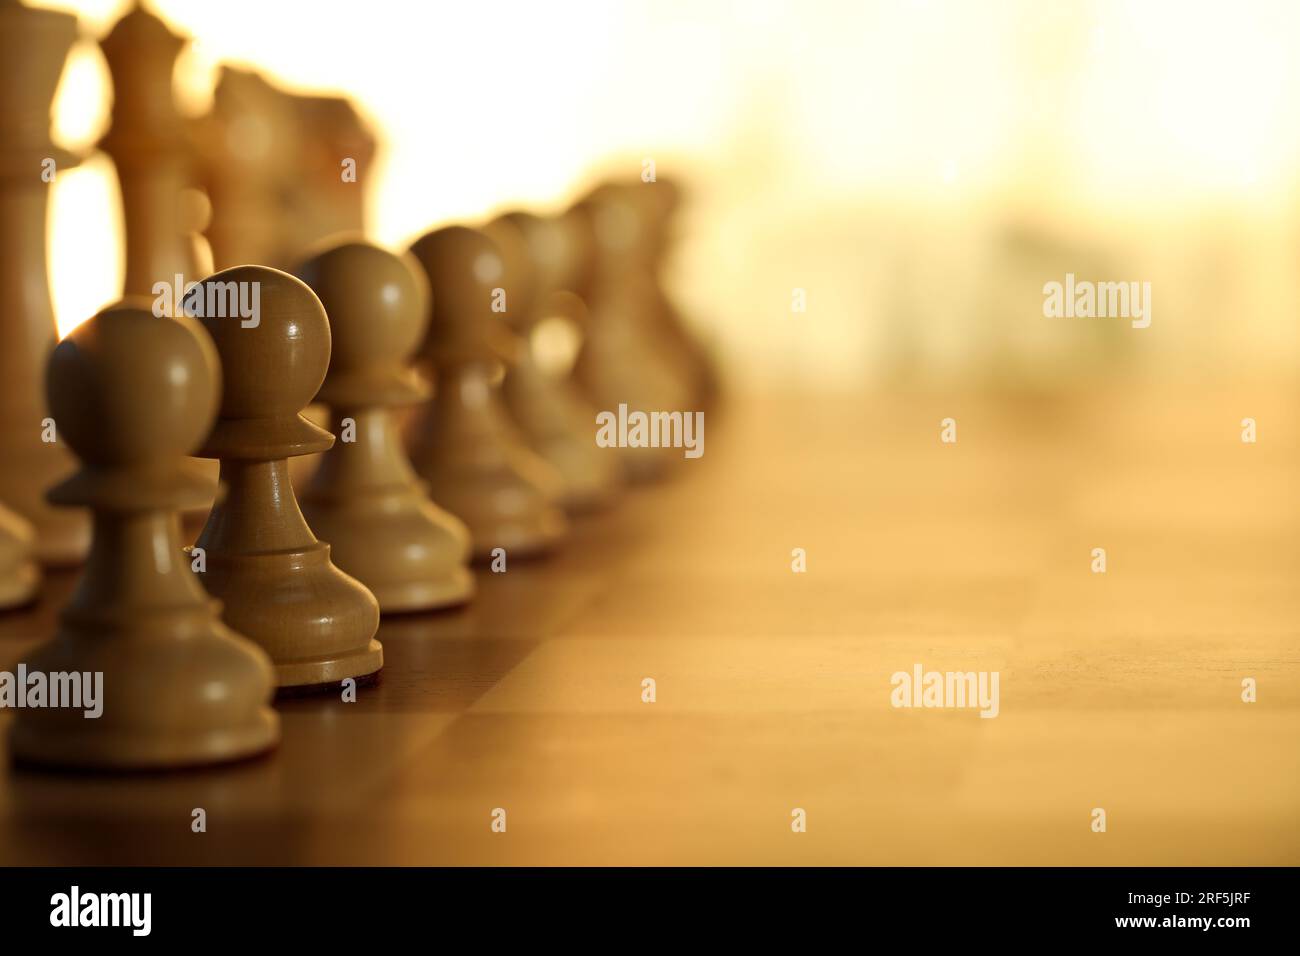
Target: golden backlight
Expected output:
[893,160]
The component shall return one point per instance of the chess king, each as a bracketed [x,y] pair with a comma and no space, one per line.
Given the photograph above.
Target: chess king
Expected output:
[133,394]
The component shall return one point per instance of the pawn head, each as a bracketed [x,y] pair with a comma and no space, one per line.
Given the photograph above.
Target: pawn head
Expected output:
[467,278]
[273,338]
[378,309]
[560,248]
[520,279]
[131,391]
[620,221]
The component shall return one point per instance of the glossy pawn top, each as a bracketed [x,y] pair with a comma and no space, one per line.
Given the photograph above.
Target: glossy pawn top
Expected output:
[273,362]
[464,267]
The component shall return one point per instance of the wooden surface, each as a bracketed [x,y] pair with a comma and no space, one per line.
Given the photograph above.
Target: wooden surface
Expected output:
[1119,691]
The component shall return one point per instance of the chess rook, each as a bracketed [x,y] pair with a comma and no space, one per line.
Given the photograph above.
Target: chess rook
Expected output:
[274,578]
[465,444]
[365,499]
[133,394]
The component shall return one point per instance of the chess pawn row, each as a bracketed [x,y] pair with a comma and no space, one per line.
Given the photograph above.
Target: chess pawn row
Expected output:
[543,258]
[365,498]
[464,444]
[133,394]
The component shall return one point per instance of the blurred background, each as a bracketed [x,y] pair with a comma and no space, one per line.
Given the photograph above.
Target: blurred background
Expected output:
[873,196]
[918,168]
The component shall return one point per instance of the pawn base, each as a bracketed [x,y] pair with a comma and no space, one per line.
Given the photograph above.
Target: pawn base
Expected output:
[408,552]
[171,686]
[512,503]
[330,671]
[452,590]
[33,743]
[316,622]
[646,465]
[523,538]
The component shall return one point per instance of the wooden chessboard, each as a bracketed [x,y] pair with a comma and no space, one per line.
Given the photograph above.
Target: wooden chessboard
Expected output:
[1119,690]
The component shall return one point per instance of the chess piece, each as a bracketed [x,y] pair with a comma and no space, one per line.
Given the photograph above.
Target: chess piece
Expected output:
[284,171]
[543,259]
[625,359]
[133,394]
[248,143]
[661,201]
[276,581]
[163,211]
[324,199]
[20,577]
[365,498]
[328,186]
[33,47]
[464,444]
